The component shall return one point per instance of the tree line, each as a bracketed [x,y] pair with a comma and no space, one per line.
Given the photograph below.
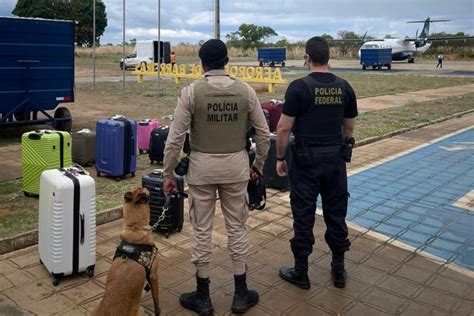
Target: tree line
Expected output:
[80,11]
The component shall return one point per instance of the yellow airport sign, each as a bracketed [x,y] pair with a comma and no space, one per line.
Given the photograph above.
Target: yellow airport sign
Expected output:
[265,75]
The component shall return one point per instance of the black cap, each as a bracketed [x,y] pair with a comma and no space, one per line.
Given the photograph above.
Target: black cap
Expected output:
[212,51]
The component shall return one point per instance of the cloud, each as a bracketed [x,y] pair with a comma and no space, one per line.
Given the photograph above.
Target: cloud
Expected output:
[192,20]
[144,33]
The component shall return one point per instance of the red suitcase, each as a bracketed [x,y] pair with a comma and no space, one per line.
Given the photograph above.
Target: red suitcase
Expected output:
[274,110]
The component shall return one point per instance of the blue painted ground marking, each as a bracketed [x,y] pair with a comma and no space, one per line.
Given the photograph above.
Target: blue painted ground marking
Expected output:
[412,197]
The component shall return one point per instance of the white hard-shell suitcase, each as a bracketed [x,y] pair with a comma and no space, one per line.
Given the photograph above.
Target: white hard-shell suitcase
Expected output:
[67,222]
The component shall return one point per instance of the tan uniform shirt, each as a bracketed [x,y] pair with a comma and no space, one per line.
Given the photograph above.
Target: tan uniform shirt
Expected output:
[207,168]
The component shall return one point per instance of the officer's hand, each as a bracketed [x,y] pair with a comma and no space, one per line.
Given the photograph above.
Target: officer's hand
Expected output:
[170,187]
[255,173]
[281,168]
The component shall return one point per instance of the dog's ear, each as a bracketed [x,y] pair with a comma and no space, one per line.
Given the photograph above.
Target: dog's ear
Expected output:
[128,197]
[143,197]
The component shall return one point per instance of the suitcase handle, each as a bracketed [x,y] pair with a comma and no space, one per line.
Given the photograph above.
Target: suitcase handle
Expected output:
[82,228]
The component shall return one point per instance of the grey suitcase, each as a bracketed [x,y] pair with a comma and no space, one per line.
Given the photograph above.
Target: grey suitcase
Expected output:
[83,147]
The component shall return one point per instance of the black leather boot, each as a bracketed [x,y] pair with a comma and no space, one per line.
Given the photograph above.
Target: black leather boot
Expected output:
[198,301]
[297,277]
[243,297]
[339,274]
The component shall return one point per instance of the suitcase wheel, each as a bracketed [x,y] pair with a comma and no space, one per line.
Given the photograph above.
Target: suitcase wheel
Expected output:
[180,228]
[167,235]
[140,151]
[133,174]
[151,161]
[118,179]
[27,194]
[98,174]
[57,278]
[90,271]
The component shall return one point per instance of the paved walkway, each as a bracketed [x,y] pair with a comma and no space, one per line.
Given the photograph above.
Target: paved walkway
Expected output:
[386,276]
[402,99]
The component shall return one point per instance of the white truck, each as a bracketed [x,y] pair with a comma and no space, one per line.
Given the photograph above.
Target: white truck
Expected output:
[147,51]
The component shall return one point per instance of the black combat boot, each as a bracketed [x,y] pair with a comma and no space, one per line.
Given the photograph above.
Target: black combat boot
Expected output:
[243,297]
[339,274]
[297,277]
[198,301]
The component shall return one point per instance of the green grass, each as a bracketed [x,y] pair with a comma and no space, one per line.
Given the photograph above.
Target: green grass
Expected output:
[144,96]
[19,213]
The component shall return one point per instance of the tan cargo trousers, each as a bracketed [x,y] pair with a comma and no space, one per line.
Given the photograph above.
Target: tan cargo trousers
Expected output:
[202,202]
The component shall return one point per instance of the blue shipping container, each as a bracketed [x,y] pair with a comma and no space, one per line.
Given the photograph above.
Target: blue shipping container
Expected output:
[36,68]
[272,56]
[376,58]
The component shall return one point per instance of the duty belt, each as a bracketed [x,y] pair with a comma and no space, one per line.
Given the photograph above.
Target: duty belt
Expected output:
[143,254]
[325,150]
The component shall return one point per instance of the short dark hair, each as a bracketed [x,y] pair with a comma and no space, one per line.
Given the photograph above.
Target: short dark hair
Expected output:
[318,50]
[215,64]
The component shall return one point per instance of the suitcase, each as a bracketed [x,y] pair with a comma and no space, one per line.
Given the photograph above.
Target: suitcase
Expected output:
[272,179]
[67,222]
[43,150]
[173,219]
[157,143]
[144,129]
[256,190]
[83,147]
[274,109]
[116,154]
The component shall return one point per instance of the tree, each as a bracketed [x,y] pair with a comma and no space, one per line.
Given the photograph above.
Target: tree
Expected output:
[346,34]
[250,35]
[80,11]
[282,43]
[327,36]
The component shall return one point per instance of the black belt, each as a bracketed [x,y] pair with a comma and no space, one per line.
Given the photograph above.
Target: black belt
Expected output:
[324,150]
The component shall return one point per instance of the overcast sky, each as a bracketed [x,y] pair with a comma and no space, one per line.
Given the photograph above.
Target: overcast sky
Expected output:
[192,20]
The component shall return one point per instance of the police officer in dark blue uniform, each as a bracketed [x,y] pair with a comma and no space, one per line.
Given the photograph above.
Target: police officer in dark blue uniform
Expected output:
[320,109]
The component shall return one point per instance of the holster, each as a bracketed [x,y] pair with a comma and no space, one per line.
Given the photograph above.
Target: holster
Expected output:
[347,149]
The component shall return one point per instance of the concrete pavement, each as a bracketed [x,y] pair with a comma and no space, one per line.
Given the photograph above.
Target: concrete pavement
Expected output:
[386,276]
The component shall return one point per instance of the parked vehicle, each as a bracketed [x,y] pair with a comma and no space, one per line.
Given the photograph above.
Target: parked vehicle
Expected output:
[36,71]
[376,58]
[271,56]
[147,52]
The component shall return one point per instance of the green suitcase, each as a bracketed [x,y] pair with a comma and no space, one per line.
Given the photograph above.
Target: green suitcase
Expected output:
[43,150]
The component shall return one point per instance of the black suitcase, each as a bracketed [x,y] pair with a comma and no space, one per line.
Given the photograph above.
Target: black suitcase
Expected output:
[272,179]
[173,219]
[256,190]
[157,143]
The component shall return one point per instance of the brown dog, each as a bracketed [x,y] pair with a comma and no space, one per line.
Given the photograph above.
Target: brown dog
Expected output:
[126,277]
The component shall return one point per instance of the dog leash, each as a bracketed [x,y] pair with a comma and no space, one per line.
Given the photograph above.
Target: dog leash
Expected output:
[166,207]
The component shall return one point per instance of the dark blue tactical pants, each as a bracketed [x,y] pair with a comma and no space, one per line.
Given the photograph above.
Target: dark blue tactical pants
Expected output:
[326,176]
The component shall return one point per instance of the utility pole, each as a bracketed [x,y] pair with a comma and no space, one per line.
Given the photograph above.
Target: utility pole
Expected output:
[159,47]
[123,45]
[93,45]
[217,20]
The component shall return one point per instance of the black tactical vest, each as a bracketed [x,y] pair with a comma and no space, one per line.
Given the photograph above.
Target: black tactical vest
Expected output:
[321,124]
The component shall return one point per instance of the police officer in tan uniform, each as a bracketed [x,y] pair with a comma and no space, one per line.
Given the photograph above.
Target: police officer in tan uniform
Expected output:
[217,110]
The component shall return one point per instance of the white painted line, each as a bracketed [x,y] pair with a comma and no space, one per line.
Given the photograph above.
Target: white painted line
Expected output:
[399,244]
[466,202]
[382,161]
